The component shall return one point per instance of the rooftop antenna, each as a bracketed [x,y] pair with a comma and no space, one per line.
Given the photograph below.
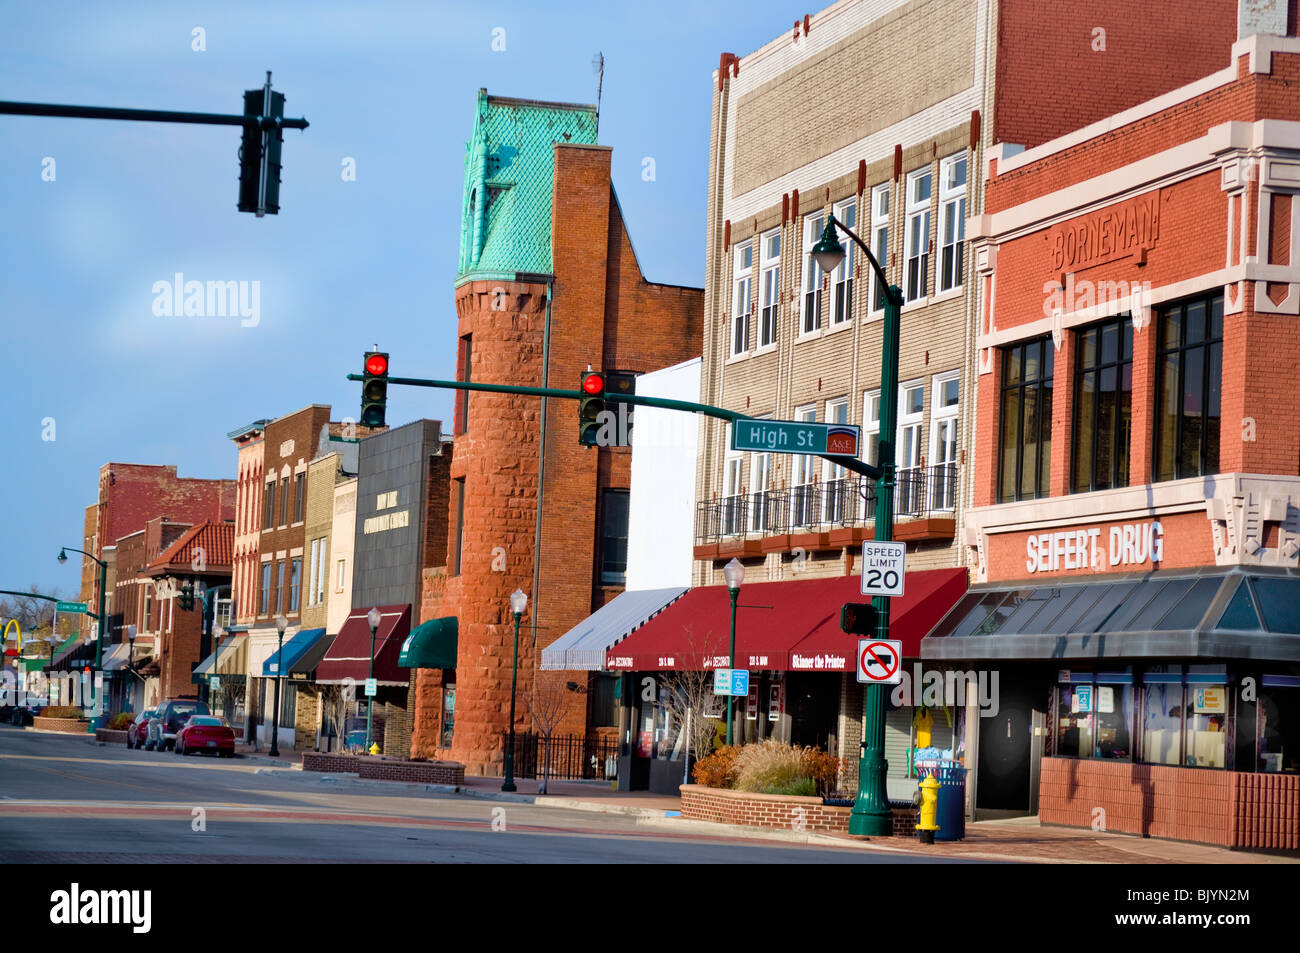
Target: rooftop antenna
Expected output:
[598,67]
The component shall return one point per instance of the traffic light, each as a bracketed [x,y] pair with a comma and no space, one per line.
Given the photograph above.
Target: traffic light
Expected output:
[858,618]
[185,596]
[374,389]
[259,153]
[590,407]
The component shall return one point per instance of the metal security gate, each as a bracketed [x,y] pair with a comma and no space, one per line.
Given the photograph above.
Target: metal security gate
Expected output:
[573,757]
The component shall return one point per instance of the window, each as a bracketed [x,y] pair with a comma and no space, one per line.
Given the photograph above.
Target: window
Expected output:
[299,496]
[320,570]
[842,278]
[909,494]
[295,582]
[741,308]
[458,553]
[812,274]
[462,396]
[279,585]
[1094,719]
[944,422]
[1189,372]
[264,595]
[448,712]
[952,221]
[613,537]
[316,560]
[269,519]
[733,504]
[835,503]
[340,569]
[760,474]
[918,234]
[284,502]
[871,427]
[1103,398]
[1026,452]
[879,241]
[802,499]
[769,287]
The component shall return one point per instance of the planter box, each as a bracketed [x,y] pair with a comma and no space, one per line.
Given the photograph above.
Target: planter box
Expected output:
[386,769]
[784,812]
[110,736]
[65,726]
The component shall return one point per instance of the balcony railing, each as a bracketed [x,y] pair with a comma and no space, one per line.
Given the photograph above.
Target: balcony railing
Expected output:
[919,493]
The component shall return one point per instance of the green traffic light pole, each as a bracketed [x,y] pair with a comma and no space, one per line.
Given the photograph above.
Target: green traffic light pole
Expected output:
[147,115]
[101,633]
[871,816]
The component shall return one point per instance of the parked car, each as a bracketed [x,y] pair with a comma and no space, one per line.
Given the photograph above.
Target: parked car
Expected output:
[206,733]
[31,707]
[173,714]
[138,730]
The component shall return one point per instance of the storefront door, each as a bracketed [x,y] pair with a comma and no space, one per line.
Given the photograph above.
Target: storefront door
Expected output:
[1005,743]
[813,701]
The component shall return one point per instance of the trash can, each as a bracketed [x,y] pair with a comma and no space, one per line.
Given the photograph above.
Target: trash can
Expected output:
[952,797]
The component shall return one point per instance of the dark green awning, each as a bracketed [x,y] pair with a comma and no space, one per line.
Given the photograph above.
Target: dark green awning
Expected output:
[431,645]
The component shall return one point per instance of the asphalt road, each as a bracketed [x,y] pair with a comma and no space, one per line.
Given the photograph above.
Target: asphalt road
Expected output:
[69,800]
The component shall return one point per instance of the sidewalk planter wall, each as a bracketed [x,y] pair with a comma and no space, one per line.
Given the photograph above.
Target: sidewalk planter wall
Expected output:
[67,726]
[1225,808]
[779,811]
[110,737]
[384,769]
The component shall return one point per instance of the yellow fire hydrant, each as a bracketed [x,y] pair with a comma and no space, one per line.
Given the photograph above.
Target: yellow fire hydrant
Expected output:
[929,810]
[374,747]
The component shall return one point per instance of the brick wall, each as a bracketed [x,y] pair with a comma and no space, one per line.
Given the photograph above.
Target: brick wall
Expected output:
[307,714]
[321,476]
[1227,808]
[383,769]
[778,811]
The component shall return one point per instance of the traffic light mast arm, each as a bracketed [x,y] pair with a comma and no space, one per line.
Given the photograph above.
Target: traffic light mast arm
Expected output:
[848,463]
[146,115]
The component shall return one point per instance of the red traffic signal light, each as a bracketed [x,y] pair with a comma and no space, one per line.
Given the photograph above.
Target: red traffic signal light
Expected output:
[377,364]
[858,618]
[593,382]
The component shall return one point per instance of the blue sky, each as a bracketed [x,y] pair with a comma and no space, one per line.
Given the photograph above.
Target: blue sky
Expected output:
[345,264]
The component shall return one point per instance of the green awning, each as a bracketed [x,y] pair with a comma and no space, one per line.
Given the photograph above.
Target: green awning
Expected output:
[431,645]
[34,664]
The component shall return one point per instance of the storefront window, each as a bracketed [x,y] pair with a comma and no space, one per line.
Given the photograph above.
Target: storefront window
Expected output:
[448,714]
[1279,718]
[1206,713]
[1074,726]
[1114,718]
[1162,723]
[1095,719]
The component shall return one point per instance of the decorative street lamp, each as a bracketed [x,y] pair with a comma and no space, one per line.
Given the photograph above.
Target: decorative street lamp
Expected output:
[373,618]
[281,623]
[101,630]
[734,573]
[518,603]
[871,816]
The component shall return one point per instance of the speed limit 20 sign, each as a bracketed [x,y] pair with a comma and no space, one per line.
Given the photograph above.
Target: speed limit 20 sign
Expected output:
[882,568]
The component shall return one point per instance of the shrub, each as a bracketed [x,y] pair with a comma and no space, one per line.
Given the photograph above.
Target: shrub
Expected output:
[718,770]
[822,769]
[121,721]
[62,711]
[768,767]
[802,787]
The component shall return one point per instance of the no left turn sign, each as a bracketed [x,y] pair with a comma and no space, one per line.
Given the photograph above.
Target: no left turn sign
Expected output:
[880,661]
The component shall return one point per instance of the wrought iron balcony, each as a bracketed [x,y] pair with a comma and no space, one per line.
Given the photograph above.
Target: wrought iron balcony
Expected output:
[920,493]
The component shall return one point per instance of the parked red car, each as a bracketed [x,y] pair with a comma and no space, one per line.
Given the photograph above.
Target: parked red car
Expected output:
[137,731]
[206,733]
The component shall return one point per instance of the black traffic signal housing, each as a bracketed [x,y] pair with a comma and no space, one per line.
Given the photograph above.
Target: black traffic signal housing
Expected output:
[259,153]
[590,407]
[858,618]
[374,389]
[185,597]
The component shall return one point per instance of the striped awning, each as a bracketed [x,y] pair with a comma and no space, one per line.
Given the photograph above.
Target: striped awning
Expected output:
[583,647]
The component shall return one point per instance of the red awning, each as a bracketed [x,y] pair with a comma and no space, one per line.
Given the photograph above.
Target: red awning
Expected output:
[349,655]
[781,626]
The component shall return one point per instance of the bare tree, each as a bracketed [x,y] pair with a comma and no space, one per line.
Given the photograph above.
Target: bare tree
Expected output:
[231,695]
[688,696]
[335,701]
[546,702]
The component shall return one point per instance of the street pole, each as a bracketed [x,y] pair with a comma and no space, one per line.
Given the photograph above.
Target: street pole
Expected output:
[871,816]
[518,601]
[281,623]
[370,699]
[731,699]
[100,627]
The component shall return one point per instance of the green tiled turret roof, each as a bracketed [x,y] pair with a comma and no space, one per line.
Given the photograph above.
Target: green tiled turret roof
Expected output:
[509,166]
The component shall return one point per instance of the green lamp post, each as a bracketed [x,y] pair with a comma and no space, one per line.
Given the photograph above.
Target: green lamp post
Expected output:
[281,623]
[871,816]
[372,617]
[101,632]
[734,574]
[518,602]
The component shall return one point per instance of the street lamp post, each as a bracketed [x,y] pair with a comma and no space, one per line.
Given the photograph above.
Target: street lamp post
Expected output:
[101,626]
[373,618]
[734,574]
[281,623]
[518,602]
[871,816]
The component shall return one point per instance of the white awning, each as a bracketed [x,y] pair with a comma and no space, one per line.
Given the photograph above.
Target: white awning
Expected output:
[116,656]
[583,647]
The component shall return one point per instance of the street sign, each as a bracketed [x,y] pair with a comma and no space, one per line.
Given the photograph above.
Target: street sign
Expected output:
[882,568]
[372,687]
[214,683]
[731,681]
[880,661]
[74,607]
[795,436]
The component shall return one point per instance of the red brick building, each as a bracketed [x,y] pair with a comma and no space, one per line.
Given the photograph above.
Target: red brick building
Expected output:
[548,284]
[1134,537]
